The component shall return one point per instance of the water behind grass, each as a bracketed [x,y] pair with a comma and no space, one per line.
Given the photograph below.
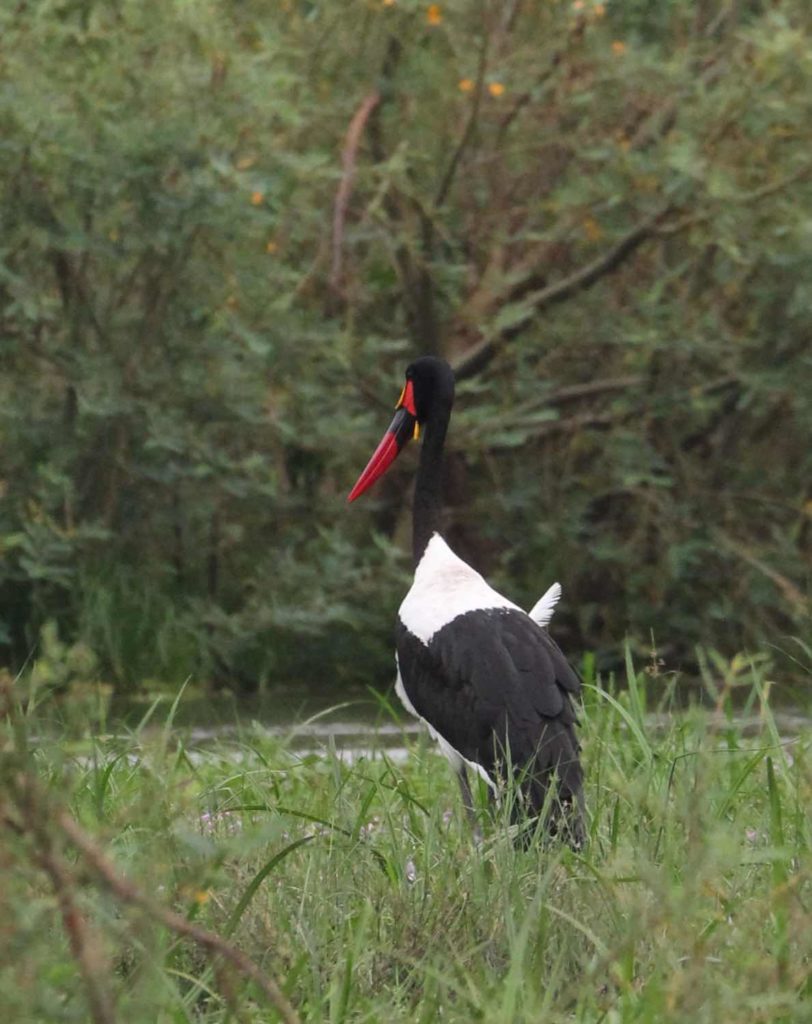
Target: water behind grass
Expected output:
[368,723]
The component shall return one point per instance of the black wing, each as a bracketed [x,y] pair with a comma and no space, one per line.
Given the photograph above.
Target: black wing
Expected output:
[497,687]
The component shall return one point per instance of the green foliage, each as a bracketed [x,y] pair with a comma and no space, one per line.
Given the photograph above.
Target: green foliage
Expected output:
[193,321]
[57,666]
[357,886]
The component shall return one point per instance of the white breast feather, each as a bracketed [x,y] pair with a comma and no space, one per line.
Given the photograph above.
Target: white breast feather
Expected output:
[444,588]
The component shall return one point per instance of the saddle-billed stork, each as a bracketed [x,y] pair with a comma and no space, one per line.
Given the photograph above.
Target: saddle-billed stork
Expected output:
[486,678]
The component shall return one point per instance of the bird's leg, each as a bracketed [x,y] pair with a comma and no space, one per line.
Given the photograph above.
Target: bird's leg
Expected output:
[468,803]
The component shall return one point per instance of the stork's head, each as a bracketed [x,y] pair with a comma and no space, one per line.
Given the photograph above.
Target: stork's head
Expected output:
[429,390]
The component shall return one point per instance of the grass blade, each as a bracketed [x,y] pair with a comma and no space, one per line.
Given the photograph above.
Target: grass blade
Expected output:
[258,879]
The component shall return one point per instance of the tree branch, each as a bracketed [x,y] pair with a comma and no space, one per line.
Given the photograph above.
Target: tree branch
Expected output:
[348,161]
[468,131]
[789,590]
[480,354]
[575,36]
[416,284]
[591,388]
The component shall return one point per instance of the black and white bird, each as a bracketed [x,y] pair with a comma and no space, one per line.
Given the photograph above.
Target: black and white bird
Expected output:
[486,678]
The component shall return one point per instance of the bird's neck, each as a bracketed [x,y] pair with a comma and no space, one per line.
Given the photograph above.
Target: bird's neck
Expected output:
[428,492]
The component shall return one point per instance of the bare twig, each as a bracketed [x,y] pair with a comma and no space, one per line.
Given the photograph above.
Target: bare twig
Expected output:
[468,131]
[541,431]
[84,943]
[416,283]
[592,272]
[348,161]
[657,123]
[575,392]
[214,944]
[523,99]
[510,12]
[804,171]
[518,418]
[42,823]
[588,420]
[591,388]
[790,591]
[753,196]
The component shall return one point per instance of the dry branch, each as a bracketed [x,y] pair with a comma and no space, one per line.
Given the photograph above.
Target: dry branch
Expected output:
[84,943]
[348,160]
[32,820]
[214,944]
[39,821]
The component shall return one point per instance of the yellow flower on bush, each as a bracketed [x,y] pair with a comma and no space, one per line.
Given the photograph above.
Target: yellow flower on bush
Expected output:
[495,88]
[618,47]
[434,14]
[466,84]
[257,198]
[592,229]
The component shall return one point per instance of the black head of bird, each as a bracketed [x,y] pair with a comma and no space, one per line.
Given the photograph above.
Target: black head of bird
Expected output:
[427,394]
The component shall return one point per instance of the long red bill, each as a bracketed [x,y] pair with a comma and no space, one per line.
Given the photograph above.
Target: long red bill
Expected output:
[400,432]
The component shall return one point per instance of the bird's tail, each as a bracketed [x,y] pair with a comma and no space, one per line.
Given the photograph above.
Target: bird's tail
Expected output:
[549,791]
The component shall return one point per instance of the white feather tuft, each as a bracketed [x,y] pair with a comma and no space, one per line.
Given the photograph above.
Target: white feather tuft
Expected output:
[542,610]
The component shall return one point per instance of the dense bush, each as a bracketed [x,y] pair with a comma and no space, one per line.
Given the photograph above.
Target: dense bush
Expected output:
[224,230]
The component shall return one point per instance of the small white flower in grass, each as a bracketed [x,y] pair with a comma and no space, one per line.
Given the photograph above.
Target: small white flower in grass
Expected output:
[448,815]
[752,835]
[410,871]
[219,821]
[365,831]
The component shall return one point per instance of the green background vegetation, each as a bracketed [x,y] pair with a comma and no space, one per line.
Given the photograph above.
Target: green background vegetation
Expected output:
[226,227]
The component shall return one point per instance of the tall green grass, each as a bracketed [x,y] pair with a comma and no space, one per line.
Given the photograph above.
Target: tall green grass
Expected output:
[359,888]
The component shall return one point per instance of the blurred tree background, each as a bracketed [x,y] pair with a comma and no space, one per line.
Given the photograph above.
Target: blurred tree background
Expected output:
[227,226]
